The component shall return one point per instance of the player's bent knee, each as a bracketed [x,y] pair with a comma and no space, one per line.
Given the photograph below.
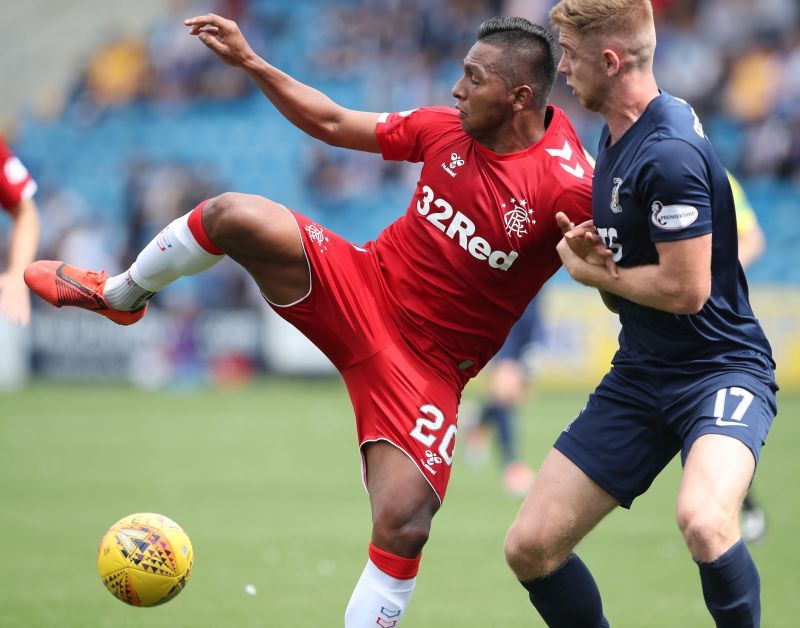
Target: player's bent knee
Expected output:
[708,531]
[530,554]
[220,214]
[401,529]
[402,538]
[230,216]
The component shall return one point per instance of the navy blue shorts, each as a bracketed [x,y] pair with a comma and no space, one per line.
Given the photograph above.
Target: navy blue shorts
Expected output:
[639,417]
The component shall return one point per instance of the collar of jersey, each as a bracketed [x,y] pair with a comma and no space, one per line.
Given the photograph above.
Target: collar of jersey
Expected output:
[642,120]
[550,130]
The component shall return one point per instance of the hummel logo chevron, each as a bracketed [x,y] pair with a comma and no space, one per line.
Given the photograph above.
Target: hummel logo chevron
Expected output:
[389,613]
[566,154]
[392,617]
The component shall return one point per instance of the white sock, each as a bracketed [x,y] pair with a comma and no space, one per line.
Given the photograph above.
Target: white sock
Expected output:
[173,253]
[378,599]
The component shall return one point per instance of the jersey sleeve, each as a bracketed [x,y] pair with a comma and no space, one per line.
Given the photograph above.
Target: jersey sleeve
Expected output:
[405,136]
[676,190]
[16,183]
[575,201]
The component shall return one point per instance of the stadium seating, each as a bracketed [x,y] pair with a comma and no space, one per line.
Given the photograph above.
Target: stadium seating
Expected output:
[247,146]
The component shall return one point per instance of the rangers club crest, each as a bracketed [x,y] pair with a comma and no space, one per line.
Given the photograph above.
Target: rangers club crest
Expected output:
[518,218]
[317,236]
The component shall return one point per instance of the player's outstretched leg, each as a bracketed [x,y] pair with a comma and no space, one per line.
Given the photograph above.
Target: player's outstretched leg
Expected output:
[716,476]
[403,505]
[257,233]
[562,507]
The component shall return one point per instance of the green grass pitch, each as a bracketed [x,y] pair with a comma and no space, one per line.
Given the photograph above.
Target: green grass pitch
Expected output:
[266,482]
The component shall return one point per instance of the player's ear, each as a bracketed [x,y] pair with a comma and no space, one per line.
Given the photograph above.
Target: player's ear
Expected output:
[611,62]
[521,97]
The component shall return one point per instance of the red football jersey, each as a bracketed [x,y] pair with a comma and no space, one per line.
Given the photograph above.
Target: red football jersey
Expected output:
[16,183]
[479,237]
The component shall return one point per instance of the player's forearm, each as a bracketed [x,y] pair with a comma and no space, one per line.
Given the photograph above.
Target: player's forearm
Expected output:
[678,287]
[24,237]
[650,286]
[307,108]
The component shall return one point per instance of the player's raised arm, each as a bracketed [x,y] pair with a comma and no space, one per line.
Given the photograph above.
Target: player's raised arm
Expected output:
[307,108]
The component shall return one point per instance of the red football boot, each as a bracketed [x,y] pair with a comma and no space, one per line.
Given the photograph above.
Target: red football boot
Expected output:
[61,284]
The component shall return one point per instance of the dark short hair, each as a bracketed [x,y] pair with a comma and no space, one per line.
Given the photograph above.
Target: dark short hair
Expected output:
[529,54]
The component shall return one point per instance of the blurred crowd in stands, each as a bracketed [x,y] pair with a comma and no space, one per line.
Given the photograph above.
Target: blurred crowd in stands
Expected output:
[739,61]
[736,61]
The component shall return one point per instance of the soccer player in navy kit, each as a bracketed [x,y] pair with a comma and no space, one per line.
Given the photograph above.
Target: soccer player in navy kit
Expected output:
[693,373]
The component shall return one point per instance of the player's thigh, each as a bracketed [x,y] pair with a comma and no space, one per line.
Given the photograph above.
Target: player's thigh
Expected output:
[740,404]
[722,437]
[716,476]
[345,311]
[401,499]
[264,238]
[401,399]
[620,439]
[563,506]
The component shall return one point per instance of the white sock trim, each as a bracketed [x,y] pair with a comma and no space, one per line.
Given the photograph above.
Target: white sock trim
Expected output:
[180,226]
[389,582]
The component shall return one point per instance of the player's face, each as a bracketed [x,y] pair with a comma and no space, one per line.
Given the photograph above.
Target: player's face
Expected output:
[582,65]
[482,96]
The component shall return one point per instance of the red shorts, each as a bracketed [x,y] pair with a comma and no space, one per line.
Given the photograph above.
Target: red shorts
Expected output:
[398,395]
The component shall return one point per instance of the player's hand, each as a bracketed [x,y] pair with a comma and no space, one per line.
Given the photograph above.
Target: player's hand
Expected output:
[15,299]
[222,36]
[584,241]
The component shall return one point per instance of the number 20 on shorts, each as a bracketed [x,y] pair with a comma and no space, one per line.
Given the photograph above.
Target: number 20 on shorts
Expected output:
[427,431]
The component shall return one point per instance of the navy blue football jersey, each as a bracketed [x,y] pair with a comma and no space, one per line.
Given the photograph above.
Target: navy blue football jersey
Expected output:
[662,181]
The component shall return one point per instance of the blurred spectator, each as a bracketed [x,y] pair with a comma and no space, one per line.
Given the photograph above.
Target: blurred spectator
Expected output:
[754,81]
[116,73]
[162,191]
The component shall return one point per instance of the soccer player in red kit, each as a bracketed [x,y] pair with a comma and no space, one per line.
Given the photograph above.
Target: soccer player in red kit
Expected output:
[17,188]
[409,318]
